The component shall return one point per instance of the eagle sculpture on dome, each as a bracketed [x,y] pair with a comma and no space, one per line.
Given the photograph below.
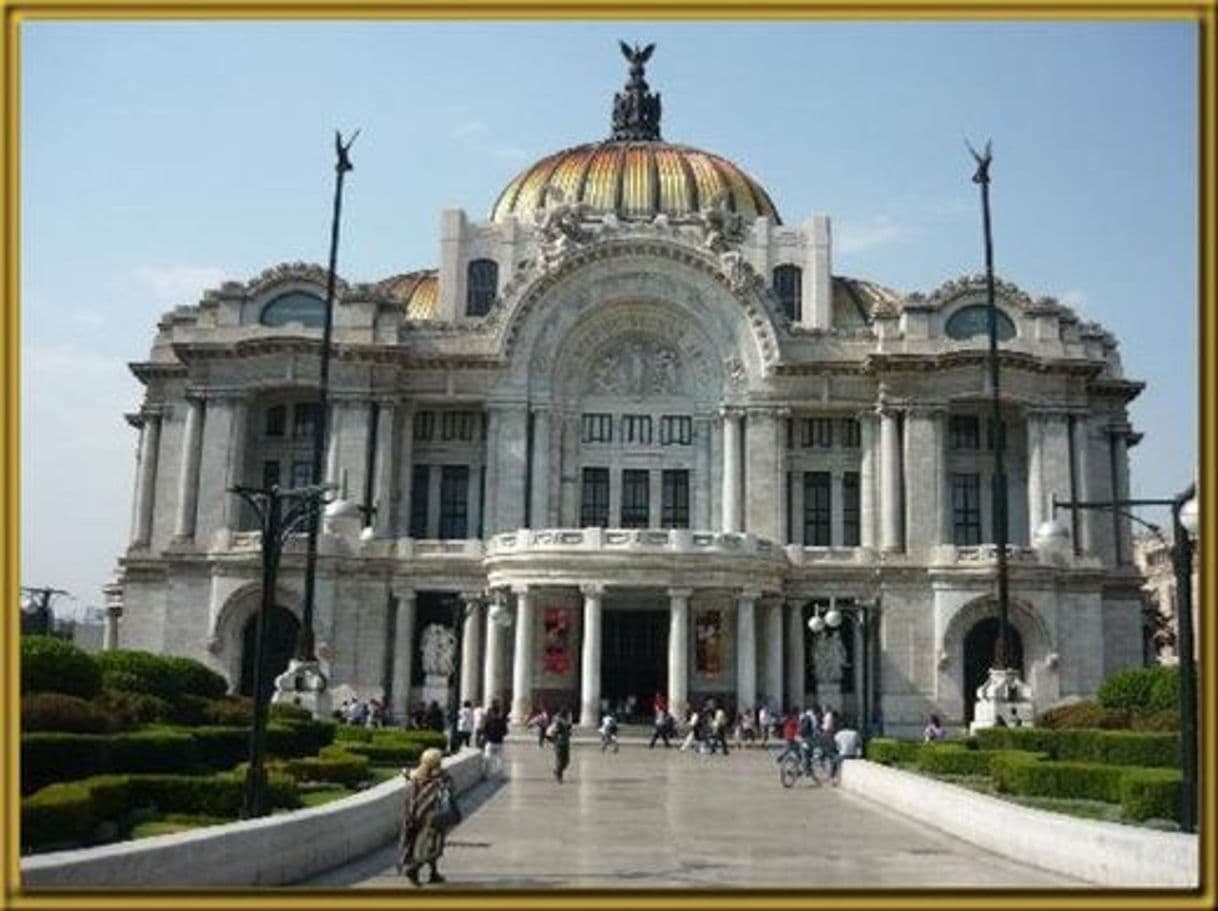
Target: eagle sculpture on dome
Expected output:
[636,111]
[636,57]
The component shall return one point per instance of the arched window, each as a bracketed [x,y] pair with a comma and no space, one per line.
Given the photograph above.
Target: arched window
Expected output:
[295,307]
[788,280]
[481,284]
[975,320]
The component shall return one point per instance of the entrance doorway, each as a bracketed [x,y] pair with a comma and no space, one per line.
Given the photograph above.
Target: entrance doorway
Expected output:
[981,653]
[282,628]
[634,661]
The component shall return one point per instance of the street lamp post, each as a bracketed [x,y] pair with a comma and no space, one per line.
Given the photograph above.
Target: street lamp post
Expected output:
[831,621]
[279,514]
[37,601]
[1184,525]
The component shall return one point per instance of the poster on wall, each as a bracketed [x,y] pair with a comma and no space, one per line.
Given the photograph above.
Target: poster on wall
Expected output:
[556,653]
[708,642]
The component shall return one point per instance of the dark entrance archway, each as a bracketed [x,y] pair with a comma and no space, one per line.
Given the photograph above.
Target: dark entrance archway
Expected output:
[282,628]
[981,653]
[634,660]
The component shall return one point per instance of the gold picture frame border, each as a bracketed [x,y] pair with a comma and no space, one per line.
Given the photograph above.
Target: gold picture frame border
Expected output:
[1201,13]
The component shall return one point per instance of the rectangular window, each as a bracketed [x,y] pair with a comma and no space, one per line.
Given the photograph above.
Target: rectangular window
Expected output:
[302,473]
[270,474]
[852,435]
[966,509]
[964,431]
[424,425]
[816,433]
[457,425]
[674,510]
[594,498]
[598,428]
[276,420]
[636,428]
[676,430]
[304,420]
[817,513]
[420,486]
[454,501]
[850,509]
[636,491]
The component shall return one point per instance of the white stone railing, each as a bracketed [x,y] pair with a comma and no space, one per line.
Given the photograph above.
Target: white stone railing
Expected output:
[988,553]
[801,555]
[646,540]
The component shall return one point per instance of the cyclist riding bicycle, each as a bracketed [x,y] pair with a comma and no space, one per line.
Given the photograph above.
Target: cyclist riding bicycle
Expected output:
[807,739]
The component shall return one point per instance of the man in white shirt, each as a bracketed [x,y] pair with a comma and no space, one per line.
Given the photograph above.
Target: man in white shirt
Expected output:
[478,720]
[465,724]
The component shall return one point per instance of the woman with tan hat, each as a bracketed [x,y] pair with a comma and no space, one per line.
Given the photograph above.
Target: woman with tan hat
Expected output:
[426,817]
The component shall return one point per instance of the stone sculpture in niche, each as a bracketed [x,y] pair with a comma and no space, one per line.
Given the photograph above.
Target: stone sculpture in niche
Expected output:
[439,647]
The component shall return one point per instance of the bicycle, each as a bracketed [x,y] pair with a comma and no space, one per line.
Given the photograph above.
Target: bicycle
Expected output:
[793,765]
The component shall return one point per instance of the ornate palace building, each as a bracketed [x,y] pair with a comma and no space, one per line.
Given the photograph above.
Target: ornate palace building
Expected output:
[638,409]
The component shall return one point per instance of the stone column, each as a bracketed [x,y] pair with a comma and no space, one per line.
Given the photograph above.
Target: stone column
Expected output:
[492,662]
[926,477]
[522,658]
[507,457]
[188,479]
[765,505]
[234,506]
[1034,421]
[699,484]
[110,634]
[890,482]
[590,657]
[470,635]
[773,653]
[731,470]
[333,447]
[1122,543]
[403,653]
[145,494]
[795,656]
[383,494]
[746,650]
[405,448]
[867,480]
[539,495]
[678,651]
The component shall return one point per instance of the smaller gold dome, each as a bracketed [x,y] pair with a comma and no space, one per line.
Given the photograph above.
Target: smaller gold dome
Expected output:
[417,292]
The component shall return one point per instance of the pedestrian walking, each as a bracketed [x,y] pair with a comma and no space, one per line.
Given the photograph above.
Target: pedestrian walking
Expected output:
[719,730]
[560,733]
[748,733]
[479,722]
[662,727]
[465,724]
[494,729]
[765,721]
[608,731]
[691,733]
[541,721]
[429,802]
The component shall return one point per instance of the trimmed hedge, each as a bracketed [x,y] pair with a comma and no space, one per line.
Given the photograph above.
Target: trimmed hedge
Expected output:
[192,710]
[50,665]
[1151,794]
[132,709]
[351,734]
[335,764]
[1167,720]
[1129,748]
[164,676]
[887,751]
[387,753]
[1085,714]
[60,712]
[286,711]
[1085,780]
[59,813]
[1142,690]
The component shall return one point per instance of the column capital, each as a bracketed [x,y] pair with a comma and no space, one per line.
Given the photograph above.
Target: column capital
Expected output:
[473,597]
[927,409]
[523,589]
[767,410]
[731,412]
[592,590]
[680,594]
[403,592]
[751,595]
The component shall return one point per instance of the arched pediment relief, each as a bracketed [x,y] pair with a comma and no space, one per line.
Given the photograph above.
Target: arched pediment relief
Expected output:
[972,288]
[293,274]
[542,307]
[1025,619]
[636,367]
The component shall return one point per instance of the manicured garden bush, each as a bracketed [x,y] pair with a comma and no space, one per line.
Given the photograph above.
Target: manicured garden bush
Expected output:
[297,738]
[891,752]
[221,747]
[1076,780]
[1115,747]
[60,712]
[349,732]
[1086,714]
[61,813]
[286,711]
[50,665]
[1166,720]
[48,757]
[233,711]
[334,764]
[164,676]
[131,710]
[387,753]
[938,760]
[1030,739]
[1142,690]
[1151,794]
[154,751]
[411,735]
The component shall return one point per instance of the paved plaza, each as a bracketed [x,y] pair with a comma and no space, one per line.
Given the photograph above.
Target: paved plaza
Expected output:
[663,819]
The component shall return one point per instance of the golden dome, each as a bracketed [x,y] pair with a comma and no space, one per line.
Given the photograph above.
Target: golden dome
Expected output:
[417,292]
[635,179]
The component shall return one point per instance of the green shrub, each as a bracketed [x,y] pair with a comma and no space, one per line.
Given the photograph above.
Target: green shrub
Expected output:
[51,665]
[335,765]
[1167,720]
[1028,739]
[1085,714]
[61,813]
[60,712]
[956,760]
[164,676]
[195,678]
[154,751]
[1075,780]
[298,738]
[1151,794]
[286,711]
[388,754]
[221,747]
[1127,748]
[111,795]
[413,735]
[891,752]
[213,795]
[1141,690]
[48,757]
[350,733]
[131,710]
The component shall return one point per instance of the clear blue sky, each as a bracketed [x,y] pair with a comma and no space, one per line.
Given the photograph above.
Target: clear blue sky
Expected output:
[159,158]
